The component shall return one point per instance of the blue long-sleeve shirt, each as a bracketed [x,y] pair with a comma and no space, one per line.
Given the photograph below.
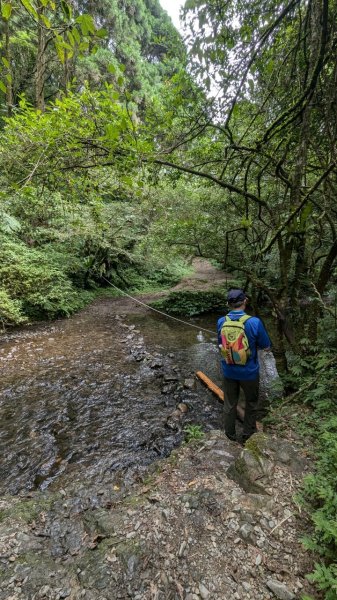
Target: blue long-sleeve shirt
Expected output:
[257,338]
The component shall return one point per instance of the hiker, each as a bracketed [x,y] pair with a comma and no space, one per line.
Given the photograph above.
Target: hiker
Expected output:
[240,336]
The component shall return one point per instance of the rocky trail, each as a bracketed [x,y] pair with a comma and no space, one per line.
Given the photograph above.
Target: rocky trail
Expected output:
[184,529]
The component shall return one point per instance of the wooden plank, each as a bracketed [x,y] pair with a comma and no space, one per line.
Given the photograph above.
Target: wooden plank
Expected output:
[218,392]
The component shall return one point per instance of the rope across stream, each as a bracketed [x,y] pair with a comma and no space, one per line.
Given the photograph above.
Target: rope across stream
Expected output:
[159,311]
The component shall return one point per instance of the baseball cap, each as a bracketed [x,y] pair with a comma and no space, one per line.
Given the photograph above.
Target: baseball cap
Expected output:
[236,295]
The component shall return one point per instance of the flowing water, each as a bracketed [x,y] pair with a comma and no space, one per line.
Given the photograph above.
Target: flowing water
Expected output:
[95,393]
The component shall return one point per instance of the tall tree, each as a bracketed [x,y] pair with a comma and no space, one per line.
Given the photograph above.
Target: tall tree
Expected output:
[6,85]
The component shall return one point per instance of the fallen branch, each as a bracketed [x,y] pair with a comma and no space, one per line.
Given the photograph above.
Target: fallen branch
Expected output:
[281,523]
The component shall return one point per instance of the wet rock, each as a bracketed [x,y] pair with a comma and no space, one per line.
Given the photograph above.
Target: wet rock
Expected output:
[173,420]
[171,377]
[138,355]
[168,388]
[280,590]
[189,383]
[156,363]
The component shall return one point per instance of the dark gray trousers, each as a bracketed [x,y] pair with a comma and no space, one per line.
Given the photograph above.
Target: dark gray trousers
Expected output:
[232,392]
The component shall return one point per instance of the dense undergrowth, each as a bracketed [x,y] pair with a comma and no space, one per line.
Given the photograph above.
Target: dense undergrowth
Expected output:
[190,303]
[311,411]
[117,164]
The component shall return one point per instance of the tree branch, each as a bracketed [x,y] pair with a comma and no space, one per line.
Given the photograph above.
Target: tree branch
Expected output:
[298,208]
[223,184]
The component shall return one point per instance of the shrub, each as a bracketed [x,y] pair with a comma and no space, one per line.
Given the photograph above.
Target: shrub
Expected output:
[10,310]
[35,283]
[193,432]
[191,303]
[320,497]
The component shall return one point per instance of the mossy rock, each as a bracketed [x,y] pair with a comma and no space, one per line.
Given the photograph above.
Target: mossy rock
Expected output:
[27,510]
[253,470]
[257,444]
[100,521]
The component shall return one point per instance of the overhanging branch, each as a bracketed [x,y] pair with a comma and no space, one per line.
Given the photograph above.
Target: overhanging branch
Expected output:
[225,185]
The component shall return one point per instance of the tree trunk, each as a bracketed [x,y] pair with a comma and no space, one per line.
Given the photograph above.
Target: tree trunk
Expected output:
[321,283]
[8,69]
[40,63]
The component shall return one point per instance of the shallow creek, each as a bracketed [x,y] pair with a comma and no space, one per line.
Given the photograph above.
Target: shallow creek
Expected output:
[94,393]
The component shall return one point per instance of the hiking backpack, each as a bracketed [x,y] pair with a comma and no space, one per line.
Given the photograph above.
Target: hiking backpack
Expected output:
[234,345]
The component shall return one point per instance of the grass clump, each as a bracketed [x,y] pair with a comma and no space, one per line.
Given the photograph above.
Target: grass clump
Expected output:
[193,432]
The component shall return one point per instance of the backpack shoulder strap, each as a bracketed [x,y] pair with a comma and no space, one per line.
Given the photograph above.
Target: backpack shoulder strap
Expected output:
[244,318]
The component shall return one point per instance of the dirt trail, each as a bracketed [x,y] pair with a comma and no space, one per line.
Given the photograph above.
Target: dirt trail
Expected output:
[204,277]
[183,531]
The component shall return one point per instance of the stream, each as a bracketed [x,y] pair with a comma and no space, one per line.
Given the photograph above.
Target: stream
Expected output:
[94,394]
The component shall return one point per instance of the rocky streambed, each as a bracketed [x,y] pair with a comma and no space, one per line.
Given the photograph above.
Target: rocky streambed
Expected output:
[97,393]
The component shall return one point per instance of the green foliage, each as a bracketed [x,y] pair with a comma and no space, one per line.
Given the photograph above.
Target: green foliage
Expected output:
[191,303]
[320,497]
[326,580]
[319,494]
[153,276]
[10,310]
[34,283]
[138,34]
[193,432]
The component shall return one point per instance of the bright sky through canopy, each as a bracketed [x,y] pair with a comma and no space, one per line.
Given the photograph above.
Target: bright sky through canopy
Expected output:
[172,7]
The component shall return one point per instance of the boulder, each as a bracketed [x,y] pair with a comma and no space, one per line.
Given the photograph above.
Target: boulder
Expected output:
[253,469]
